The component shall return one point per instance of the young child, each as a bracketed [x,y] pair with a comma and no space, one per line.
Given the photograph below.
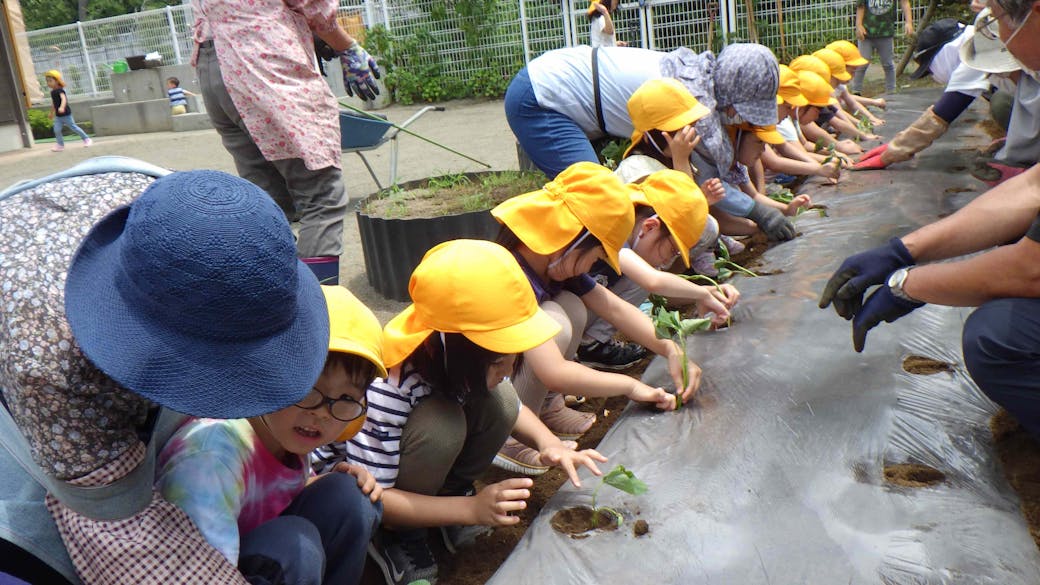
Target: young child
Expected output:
[815,132]
[853,61]
[557,234]
[178,103]
[247,485]
[875,30]
[61,111]
[671,213]
[446,406]
[845,121]
[601,24]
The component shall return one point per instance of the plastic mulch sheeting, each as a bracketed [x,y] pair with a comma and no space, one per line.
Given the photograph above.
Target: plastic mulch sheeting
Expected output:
[775,474]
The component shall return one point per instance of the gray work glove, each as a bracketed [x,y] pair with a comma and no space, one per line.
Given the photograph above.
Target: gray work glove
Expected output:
[772,221]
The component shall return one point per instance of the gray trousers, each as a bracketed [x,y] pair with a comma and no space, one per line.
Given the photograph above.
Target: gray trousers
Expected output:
[316,198]
[567,310]
[884,47]
[446,446]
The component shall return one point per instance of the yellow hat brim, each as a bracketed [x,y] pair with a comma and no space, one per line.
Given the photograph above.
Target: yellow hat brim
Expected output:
[677,122]
[353,328]
[843,76]
[402,335]
[857,62]
[769,136]
[347,346]
[795,99]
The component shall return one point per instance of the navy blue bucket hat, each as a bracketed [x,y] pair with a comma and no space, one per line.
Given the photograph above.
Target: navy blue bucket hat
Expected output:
[192,296]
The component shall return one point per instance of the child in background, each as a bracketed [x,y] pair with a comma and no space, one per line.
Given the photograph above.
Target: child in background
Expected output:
[601,24]
[671,213]
[815,131]
[875,29]
[178,103]
[848,106]
[61,111]
[557,234]
[853,61]
[446,406]
[246,483]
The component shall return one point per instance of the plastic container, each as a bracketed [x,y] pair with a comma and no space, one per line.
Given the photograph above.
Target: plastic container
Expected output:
[359,131]
[120,67]
[135,62]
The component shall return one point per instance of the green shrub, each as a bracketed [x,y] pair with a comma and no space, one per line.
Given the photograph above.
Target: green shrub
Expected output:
[43,126]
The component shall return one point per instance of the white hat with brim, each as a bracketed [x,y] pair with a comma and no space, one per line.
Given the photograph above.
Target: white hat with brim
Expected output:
[987,55]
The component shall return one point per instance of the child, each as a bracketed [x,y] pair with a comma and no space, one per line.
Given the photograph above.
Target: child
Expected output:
[853,61]
[247,485]
[671,213]
[601,25]
[875,29]
[446,406]
[178,103]
[557,234]
[839,75]
[61,111]
[815,131]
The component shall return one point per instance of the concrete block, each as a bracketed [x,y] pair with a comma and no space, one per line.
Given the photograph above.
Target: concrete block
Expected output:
[136,86]
[133,118]
[191,121]
[184,73]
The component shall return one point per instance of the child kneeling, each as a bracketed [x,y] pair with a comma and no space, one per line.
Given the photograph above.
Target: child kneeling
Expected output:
[247,485]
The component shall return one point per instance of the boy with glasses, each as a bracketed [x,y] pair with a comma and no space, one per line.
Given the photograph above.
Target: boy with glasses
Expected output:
[247,485]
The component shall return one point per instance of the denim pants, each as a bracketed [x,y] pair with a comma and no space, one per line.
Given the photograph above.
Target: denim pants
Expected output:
[1001,344]
[552,141]
[884,47]
[321,538]
[60,122]
[735,202]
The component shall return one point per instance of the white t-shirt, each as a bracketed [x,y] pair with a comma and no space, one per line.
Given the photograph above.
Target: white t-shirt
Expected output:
[598,36]
[562,82]
[788,130]
[946,68]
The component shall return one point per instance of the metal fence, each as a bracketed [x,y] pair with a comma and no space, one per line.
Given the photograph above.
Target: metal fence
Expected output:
[501,38]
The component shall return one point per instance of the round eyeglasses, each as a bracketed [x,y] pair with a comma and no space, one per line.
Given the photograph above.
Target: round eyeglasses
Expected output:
[343,409]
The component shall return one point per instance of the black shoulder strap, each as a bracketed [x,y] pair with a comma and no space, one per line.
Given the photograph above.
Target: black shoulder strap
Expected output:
[595,91]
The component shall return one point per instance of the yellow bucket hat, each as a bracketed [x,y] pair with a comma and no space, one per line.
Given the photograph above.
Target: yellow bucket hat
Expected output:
[849,52]
[815,89]
[680,204]
[472,287]
[353,328]
[835,62]
[814,64]
[584,196]
[790,90]
[56,75]
[767,134]
[662,104]
[592,7]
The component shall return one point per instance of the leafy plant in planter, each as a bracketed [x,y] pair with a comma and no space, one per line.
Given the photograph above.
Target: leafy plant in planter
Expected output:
[619,478]
[671,325]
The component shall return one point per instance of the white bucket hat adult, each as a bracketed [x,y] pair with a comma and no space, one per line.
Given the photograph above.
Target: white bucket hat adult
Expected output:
[984,51]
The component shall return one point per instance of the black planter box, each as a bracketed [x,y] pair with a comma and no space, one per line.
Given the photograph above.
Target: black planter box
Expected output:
[394,247]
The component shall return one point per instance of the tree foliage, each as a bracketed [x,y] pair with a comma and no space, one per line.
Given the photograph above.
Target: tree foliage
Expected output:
[47,13]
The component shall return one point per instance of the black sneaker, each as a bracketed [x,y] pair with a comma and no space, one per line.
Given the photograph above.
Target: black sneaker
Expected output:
[612,355]
[404,556]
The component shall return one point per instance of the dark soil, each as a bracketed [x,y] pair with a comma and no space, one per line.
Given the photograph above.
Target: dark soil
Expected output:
[990,127]
[913,475]
[640,527]
[577,522]
[452,194]
[1019,456]
[919,364]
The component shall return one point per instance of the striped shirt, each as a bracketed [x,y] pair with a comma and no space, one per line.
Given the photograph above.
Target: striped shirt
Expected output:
[377,446]
[177,97]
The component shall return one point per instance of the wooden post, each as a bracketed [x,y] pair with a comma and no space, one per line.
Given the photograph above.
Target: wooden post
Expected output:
[920,26]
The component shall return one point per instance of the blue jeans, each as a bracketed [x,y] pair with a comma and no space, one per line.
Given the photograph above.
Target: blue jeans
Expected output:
[1001,344]
[321,538]
[552,141]
[59,122]
[736,202]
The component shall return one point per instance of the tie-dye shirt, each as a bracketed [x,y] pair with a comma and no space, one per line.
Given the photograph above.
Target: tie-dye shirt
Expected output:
[223,477]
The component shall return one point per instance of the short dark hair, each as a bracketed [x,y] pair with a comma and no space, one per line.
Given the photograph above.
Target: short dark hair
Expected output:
[510,241]
[463,370]
[1018,10]
[360,371]
[174,81]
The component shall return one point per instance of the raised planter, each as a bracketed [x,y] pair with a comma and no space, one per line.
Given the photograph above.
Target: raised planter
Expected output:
[393,240]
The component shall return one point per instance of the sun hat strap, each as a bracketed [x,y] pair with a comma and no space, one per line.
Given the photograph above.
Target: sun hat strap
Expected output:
[121,499]
[595,92]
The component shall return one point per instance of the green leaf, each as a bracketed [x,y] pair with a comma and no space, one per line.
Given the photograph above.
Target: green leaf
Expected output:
[624,480]
[689,326]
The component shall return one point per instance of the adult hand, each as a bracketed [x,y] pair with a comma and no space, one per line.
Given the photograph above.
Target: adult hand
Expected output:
[772,222]
[568,459]
[881,305]
[358,70]
[365,480]
[861,271]
[492,505]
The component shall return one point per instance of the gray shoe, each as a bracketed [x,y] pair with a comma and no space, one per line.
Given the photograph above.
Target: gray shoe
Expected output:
[404,556]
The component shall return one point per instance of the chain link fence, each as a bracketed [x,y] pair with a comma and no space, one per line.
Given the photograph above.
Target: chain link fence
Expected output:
[477,44]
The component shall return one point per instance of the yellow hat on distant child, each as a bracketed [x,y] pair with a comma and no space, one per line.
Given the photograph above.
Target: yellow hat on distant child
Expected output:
[475,288]
[790,90]
[814,64]
[849,52]
[584,196]
[662,104]
[835,62]
[56,76]
[353,328]
[592,7]
[680,204]
[816,89]
[767,134]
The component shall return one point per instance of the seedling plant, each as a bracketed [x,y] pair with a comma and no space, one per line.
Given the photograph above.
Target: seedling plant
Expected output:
[822,147]
[619,478]
[671,325]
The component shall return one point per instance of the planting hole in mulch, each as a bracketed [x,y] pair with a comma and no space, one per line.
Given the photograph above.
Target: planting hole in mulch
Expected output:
[640,527]
[579,520]
[925,366]
[913,475]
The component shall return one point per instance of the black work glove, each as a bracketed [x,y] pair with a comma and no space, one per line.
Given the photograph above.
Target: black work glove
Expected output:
[861,271]
[881,305]
[772,221]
